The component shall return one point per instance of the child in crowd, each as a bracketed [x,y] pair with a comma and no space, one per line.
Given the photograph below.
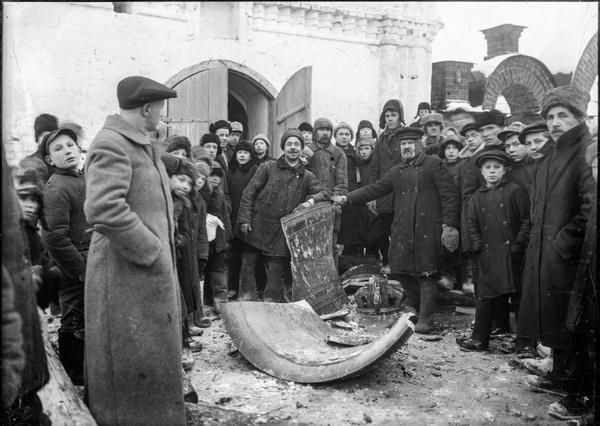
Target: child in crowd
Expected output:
[521,169]
[66,237]
[498,227]
[365,129]
[305,156]
[307,132]
[261,146]
[179,146]
[219,235]
[241,169]
[537,141]
[212,143]
[364,148]
[448,152]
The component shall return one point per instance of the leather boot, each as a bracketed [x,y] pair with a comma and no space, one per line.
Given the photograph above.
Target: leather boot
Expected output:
[428,287]
[274,288]
[218,282]
[248,278]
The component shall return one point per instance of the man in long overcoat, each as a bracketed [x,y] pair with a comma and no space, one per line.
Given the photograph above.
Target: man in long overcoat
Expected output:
[132,305]
[562,194]
[426,218]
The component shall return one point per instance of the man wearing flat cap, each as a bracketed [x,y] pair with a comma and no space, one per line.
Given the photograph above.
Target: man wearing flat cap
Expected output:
[425,224]
[132,306]
[562,195]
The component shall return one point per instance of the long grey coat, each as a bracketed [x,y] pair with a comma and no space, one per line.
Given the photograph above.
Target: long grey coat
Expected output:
[132,305]
[562,196]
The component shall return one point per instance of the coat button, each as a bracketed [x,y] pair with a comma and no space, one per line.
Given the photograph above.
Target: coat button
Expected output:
[504,222]
[501,204]
[507,242]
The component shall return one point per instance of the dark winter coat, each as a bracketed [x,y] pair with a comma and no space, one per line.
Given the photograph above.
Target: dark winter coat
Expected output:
[274,191]
[350,229]
[13,358]
[562,196]
[186,256]
[329,165]
[521,173]
[431,145]
[132,299]
[65,231]
[239,177]
[425,198]
[385,155]
[15,261]
[366,217]
[498,226]
[202,237]
[453,169]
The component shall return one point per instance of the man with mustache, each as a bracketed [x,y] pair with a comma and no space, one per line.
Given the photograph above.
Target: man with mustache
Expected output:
[562,194]
[329,165]
[426,218]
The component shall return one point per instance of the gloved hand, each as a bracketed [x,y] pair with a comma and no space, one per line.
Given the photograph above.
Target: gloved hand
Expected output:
[339,200]
[372,206]
[450,238]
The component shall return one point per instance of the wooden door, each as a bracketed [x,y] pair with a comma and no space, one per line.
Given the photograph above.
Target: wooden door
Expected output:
[201,99]
[292,105]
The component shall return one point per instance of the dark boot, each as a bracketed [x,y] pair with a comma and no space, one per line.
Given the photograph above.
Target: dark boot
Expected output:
[274,288]
[247,277]
[411,286]
[428,287]
[218,283]
[71,354]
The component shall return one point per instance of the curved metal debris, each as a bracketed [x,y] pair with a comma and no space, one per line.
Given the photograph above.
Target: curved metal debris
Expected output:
[289,341]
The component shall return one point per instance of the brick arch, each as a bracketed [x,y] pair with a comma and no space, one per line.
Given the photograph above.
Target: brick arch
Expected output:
[523,81]
[587,67]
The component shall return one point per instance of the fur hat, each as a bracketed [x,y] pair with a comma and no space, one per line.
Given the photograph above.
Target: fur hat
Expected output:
[211,138]
[469,126]
[491,154]
[392,104]
[176,142]
[217,170]
[44,123]
[322,123]
[50,137]
[203,168]
[262,137]
[365,141]
[537,127]
[244,146]
[366,123]
[568,96]
[433,118]
[221,124]
[490,117]
[27,182]
[450,140]
[423,105]
[305,127]
[343,125]
[289,133]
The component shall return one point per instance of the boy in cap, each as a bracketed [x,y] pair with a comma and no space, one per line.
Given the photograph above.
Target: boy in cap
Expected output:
[537,140]
[448,152]
[307,132]
[43,124]
[365,129]
[179,146]
[489,124]
[236,133]
[432,140]
[423,110]
[261,146]
[241,170]
[212,143]
[521,169]
[277,188]
[130,271]
[66,238]
[498,236]
[222,129]
[365,146]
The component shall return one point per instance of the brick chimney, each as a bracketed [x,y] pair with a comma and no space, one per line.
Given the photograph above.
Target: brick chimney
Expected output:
[502,39]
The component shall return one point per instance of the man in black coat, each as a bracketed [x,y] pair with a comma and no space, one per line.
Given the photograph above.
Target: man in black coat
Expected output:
[562,194]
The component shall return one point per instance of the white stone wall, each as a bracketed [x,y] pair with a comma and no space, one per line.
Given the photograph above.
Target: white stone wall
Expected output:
[67,58]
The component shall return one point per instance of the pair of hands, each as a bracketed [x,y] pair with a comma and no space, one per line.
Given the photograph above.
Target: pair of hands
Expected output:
[245,228]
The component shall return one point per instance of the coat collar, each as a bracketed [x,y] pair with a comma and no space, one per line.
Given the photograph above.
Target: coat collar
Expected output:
[500,184]
[116,123]
[67,172]
[318,147]
[572,136]
[282,164]
[417,161]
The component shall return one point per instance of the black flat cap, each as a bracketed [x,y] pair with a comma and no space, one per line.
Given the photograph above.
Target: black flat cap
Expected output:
[537,127]
[135,91]
[469,126]
[50,137]
[492,154]
[409,133]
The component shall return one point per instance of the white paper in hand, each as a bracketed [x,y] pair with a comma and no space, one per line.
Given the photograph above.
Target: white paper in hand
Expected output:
[212,223]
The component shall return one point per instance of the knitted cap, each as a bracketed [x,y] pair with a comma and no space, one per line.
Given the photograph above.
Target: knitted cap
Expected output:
[44,123]
[567,96]
[343,125]
[176,142]
[203,169]
[263,137]
[292,132]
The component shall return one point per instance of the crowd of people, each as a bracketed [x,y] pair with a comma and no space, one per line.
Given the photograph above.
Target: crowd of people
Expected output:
[129,247]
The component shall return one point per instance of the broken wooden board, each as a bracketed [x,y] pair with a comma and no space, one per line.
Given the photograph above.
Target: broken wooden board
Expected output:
[338,314]
[290,342]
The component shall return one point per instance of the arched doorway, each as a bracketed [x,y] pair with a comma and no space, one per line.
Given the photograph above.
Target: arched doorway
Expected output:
[225,90]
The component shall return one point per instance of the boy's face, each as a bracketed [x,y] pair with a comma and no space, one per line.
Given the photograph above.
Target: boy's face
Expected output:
[343,137]
[517,151]
[423,112]
[492,171]
[365,151]
[223,134]
[179,153]
[214,181]
[181,183]
[308,135]
[200,181]
[392,119]
[242,156]
[260,146]
[365,132]
[534,143]
[473,138]
[64,153]
[433,129]
[451,152]
[212,149]
[234,138]
[30,206]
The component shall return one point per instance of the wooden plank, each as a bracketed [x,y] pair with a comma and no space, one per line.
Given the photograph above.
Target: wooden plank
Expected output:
[60,398]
